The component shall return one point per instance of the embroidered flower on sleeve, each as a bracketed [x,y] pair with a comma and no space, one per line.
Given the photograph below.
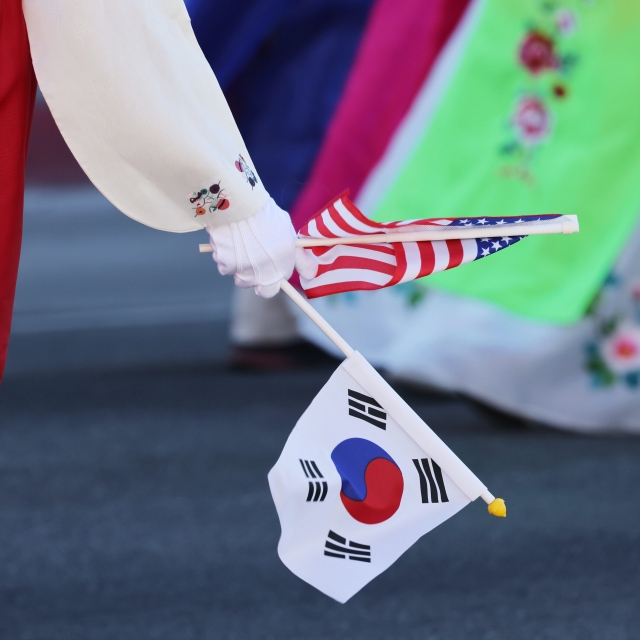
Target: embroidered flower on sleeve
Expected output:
[209,200]
[243,167]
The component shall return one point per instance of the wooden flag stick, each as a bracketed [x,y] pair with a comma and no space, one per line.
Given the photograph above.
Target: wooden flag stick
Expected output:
[496,506]
[317,319]
[388,397]
[565,225]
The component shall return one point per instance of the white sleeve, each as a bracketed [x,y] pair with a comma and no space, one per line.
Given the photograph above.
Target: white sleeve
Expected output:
[142,112]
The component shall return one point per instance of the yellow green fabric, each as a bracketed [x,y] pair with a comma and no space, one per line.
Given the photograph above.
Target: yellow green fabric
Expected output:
[542,115]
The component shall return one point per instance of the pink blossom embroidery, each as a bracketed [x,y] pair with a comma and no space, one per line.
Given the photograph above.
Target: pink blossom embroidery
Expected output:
[613,354]
[547,68]
[531,120]
[566,21]
[621,350]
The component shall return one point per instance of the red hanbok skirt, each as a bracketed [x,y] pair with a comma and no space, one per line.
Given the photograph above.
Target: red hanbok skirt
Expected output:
[17,96]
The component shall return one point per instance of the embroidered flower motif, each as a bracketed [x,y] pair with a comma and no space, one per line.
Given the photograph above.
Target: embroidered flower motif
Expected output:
[559,91]
[413,292]
[547,68]
[613,355]
[621,351]
[242,166]
[566,21]
[209,200]
[537,53]
[531,120]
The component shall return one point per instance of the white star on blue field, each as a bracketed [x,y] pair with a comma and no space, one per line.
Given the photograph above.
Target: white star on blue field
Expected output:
[487,246]
[489,222]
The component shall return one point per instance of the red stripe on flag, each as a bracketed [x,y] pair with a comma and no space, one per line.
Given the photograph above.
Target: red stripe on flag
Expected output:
[320,251]
[456,253]
[352,262]
[340,287]
[304,230]
[401,261]
[387,249]
[322,227]
[356,213]
[407,224]
[427,258]
[342,223]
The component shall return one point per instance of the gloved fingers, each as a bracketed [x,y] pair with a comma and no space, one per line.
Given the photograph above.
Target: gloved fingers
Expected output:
[267,290]
[244,280]
[275,237]
[223,245]
[259,251]
[306,264]
[225,269]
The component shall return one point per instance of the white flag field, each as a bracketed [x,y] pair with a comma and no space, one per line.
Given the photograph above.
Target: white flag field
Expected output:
[360,479]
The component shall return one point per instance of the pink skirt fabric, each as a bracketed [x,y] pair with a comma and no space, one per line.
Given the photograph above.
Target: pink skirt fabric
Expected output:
[400,45]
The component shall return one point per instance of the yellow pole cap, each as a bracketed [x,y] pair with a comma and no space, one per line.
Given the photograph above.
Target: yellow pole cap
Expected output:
[498,508]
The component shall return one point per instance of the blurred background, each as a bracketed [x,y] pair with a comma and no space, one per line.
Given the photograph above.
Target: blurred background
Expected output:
[133,459]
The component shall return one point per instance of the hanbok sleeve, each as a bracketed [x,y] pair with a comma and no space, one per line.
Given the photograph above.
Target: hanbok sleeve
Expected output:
[141,110]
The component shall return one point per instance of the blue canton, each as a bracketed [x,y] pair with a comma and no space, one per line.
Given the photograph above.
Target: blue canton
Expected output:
[487,246]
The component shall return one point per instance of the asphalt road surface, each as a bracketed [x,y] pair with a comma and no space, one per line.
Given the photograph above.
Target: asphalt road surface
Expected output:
[133,495]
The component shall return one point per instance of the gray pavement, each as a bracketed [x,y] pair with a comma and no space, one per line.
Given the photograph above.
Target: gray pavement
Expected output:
[133,493]
[84,264]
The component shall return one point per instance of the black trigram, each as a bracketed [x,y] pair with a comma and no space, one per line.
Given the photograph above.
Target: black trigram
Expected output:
[336,547]
[431,481]
[364,407]
[317,488]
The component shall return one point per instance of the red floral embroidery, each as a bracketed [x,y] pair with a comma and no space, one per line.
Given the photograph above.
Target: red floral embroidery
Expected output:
[547,67]
[209,200]
[559,91]
[537,53]
[613,352]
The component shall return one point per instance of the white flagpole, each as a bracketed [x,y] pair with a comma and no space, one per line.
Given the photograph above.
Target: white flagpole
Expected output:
[362,371]
[564,225]
[319,321]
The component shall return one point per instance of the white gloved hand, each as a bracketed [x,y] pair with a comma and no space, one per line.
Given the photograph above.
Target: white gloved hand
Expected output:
[259,251]
[306,263]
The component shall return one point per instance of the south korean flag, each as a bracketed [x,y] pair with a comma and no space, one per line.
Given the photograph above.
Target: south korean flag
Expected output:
[360,479]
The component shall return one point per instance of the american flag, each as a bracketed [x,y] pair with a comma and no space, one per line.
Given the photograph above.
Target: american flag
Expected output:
[327,270]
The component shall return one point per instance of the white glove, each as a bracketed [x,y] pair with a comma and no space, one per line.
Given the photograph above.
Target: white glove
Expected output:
[260,251]
[306,263]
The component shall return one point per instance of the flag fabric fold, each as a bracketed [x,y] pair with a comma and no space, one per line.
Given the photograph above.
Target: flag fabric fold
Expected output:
[327,270]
